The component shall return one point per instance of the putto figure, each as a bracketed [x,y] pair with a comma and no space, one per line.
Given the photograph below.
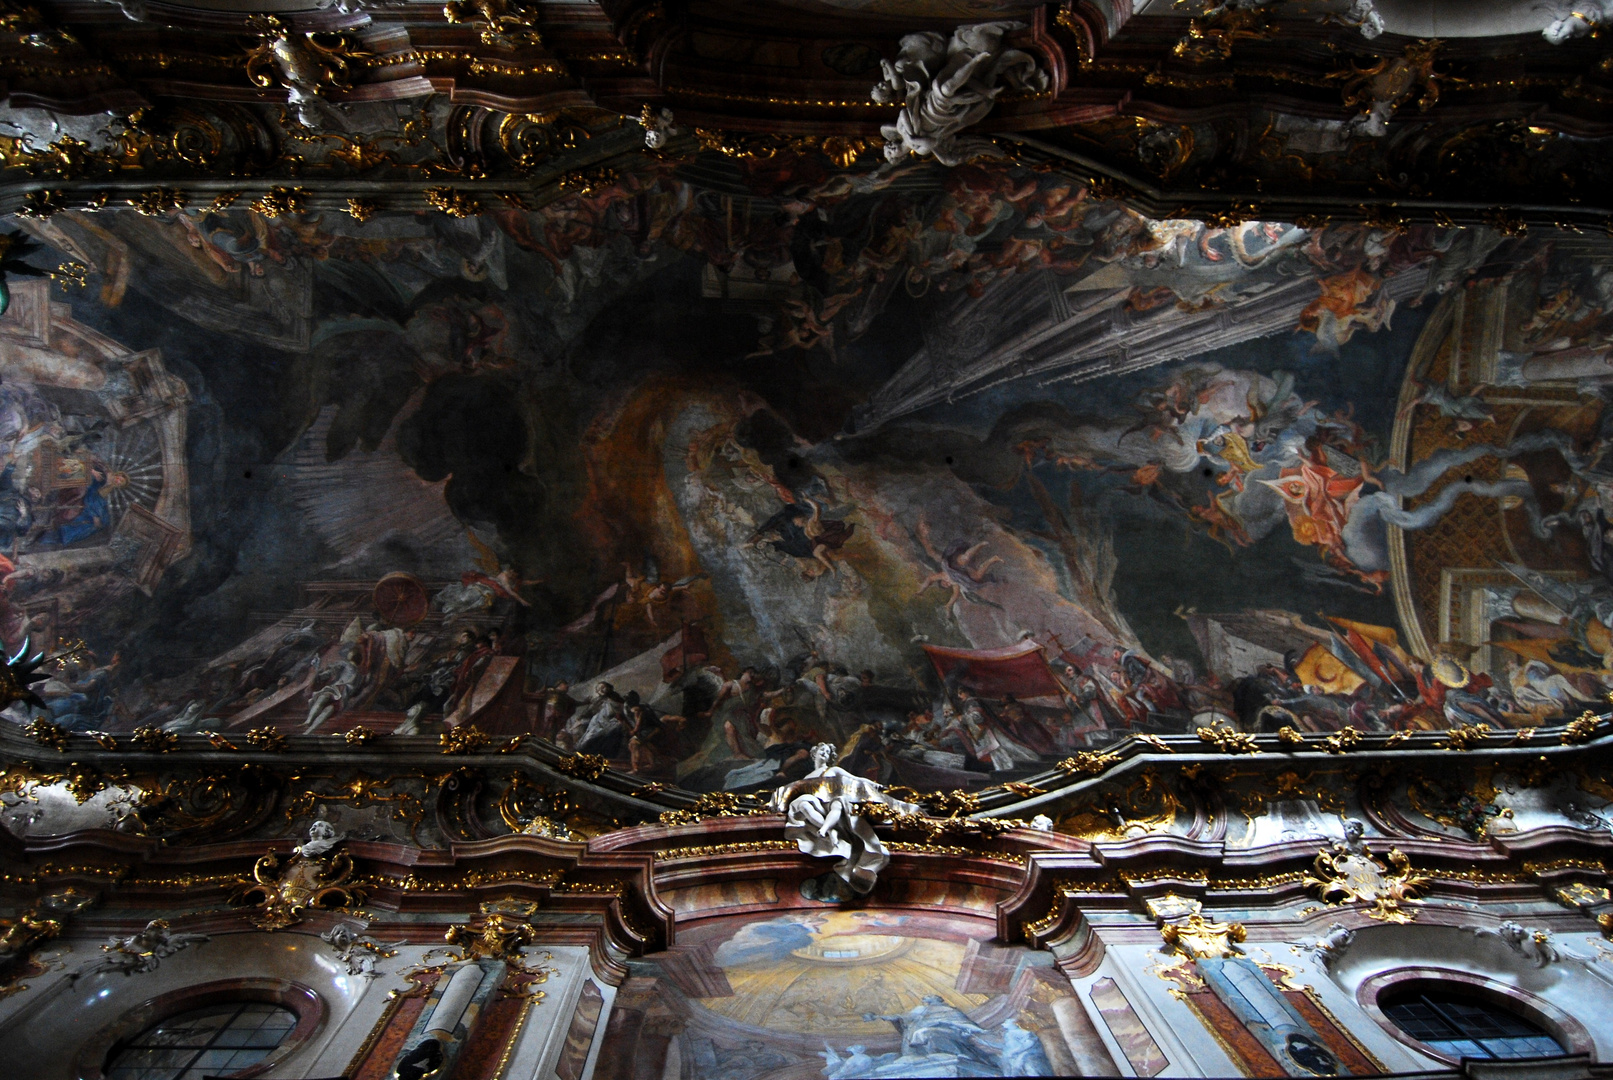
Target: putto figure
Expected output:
[946,86]
[823,815]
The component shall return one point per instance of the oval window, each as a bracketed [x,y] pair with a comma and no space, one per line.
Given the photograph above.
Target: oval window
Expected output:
[1458,1025]
[217,1040]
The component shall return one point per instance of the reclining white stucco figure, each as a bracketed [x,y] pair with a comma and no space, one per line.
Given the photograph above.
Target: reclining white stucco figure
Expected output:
[946,86]
[822,816]
[1572,20]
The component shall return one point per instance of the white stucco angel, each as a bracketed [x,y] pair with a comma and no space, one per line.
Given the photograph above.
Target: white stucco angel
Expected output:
[141,951]
[822,815]
[945,86]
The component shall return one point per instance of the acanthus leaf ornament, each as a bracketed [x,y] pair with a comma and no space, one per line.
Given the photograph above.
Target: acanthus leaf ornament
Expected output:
[266,738]
[1341,741]
[583,766]
[1088,763]
[1348,872]
[1582,729]
[1228,740]
[45,733]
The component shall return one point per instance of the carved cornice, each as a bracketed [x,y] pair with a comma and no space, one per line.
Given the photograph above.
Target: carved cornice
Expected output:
[1251,120]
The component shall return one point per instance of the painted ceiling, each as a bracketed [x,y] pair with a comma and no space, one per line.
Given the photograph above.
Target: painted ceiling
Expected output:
[962,470]
[682,384]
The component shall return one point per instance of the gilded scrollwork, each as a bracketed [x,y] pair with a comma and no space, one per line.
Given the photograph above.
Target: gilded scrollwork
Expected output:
[1377,91]
[1146,806]
[307,66]
[1185,929]
[1348,872]
[24,933]
[359,791]
[316,876]
[532,810]
[503,23]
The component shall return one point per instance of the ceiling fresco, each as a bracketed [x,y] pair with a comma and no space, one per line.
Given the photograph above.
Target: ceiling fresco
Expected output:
[963,471]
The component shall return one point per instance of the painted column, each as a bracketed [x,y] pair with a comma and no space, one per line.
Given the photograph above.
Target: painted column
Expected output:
[1270,1017]
[1086,1045]
[445,1027]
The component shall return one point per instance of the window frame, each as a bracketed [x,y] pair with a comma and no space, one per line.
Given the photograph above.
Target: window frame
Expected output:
[1571,1035]
[308,1007]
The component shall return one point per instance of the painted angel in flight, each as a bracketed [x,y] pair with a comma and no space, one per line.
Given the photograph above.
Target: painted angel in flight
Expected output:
[956,570]
[481,587]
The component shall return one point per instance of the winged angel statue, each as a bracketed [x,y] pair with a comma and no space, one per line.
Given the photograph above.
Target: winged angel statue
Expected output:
[946,86]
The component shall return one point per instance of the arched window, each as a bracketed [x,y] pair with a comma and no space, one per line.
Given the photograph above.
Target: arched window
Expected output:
[216,1040]
[1460,1025]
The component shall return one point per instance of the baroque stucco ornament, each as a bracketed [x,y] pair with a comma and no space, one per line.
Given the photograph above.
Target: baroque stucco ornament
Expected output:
[825,814]
[315,877]
[1348,872]
[946,86]
[357,951]
[307,66]
[1185,929]
[141,952]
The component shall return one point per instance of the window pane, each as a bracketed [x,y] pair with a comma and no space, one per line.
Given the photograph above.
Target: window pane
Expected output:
[1523,1047]
[217,1040]
[212,1060]
[268,1038]
[243,1058]
[232,1037]
[1460,1026]
[1459,1048]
